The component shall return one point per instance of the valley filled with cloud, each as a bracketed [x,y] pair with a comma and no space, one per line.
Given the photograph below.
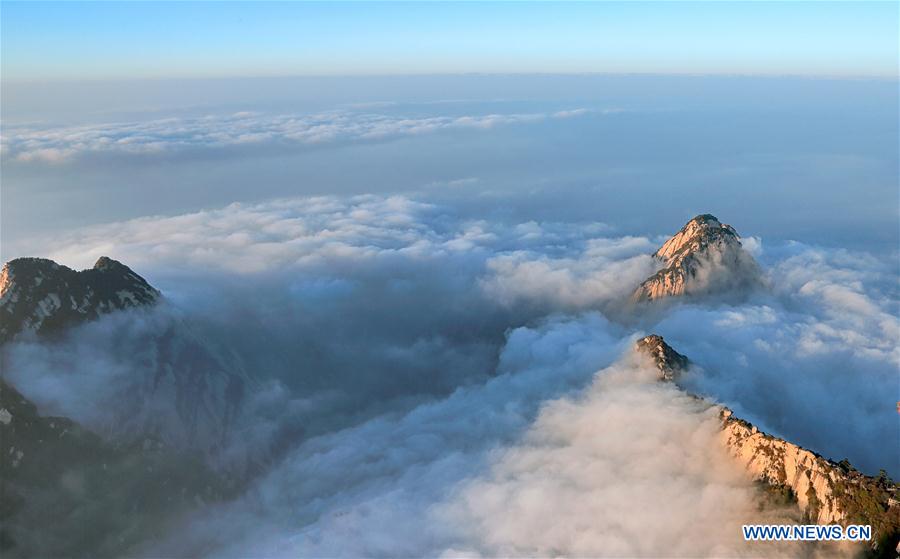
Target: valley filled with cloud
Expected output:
[423,382]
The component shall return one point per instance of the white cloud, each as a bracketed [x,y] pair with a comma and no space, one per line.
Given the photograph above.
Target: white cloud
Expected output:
[628,466]
[606,270]
[814,361]
[823,337]
[172,135]
[403,352]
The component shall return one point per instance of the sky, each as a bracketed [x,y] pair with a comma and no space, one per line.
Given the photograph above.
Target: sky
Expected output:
[779,112]
[98,40]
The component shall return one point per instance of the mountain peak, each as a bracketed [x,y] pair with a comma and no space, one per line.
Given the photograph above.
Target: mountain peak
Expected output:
[703,257]
[105,263]
[39,295]
[669,362]
[697,234]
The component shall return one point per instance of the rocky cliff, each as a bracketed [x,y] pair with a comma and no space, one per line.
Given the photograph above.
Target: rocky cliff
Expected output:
[825,491]
[704,258]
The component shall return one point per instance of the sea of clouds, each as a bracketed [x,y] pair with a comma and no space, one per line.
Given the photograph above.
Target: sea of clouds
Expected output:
[425,383]
[241,130]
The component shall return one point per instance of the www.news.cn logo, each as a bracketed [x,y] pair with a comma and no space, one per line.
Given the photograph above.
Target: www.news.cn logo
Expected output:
[806,532]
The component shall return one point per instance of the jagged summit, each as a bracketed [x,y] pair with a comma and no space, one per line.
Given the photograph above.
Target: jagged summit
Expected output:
[39,295]
[669,362]
[704,257]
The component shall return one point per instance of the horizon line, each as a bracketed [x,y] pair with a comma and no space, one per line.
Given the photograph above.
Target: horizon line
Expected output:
[835,77]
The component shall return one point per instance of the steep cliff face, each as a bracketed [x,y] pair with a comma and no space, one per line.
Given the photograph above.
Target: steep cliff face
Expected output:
[826,492]
[39,295]
[704,257]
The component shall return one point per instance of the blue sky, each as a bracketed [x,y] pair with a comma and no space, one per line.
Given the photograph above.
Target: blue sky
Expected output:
[93,40]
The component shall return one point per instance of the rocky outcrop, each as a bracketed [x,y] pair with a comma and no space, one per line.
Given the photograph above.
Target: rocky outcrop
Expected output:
[825,491]
[669,362]
[42,296]
[705,257]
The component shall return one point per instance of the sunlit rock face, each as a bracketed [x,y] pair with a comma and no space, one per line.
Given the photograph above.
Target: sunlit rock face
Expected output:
[826,492]
[705,257]
[39,295]
[669,362]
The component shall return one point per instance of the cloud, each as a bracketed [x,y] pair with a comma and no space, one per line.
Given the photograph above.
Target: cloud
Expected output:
[336,309]
[417,291]
[814,361]
[218,132]
[416,369]
[629,467]
[392,467]
[246,239]
[545,458]
[606,270]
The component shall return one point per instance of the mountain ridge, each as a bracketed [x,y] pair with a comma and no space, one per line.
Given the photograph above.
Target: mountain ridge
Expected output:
[825,491]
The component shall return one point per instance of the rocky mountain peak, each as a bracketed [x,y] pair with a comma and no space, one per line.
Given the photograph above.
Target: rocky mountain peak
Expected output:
[669,362]
[39,295]
[704,257]
[697,234]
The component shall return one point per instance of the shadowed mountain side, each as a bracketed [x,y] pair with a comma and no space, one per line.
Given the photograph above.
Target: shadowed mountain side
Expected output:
[183,391]
[102,495]
[99,498]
